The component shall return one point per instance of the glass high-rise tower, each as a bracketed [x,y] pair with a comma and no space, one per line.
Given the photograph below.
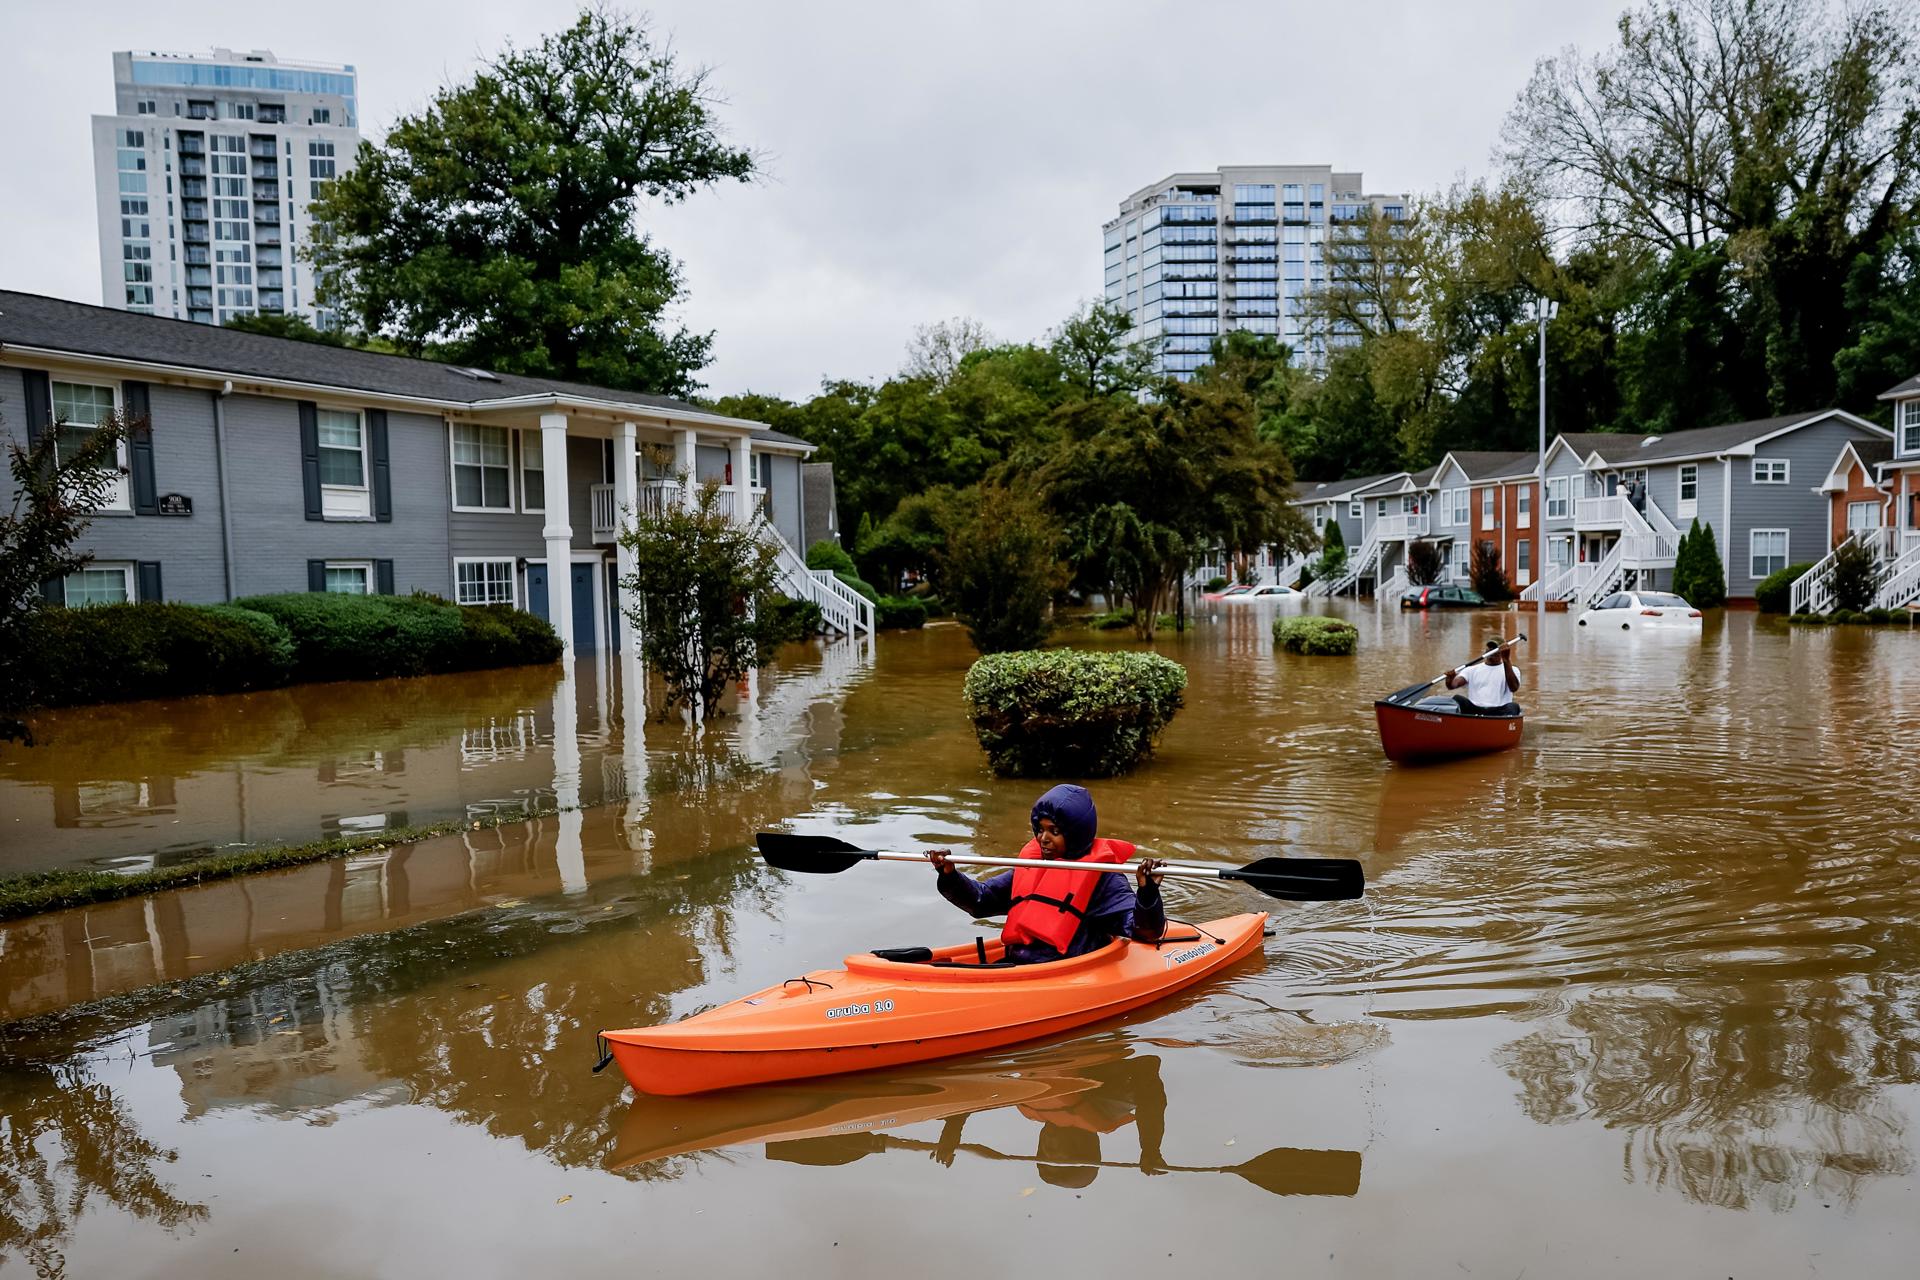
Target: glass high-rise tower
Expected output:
[204,175]
[1196,255]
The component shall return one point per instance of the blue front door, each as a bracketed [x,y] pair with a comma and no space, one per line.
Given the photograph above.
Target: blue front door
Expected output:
[537,591]
[586,635]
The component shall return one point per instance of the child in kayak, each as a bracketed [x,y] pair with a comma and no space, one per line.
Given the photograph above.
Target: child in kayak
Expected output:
[1054,914]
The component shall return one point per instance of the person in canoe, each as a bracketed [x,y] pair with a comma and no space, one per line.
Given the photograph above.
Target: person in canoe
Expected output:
[1051,913]
[1489,683]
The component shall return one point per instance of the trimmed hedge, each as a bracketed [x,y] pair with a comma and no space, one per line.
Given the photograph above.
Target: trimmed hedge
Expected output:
[344,637]
[1853,618]
[1070,713]
[120,652]
[899,613]
[1316,636]
[799,619]
[1775,592]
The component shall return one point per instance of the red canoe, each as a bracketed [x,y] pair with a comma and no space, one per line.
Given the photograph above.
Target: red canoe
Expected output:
[1433,729]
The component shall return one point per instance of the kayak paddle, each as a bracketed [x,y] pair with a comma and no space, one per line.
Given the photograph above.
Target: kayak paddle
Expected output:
[1412,691]
[1292,879]
[1283,1171]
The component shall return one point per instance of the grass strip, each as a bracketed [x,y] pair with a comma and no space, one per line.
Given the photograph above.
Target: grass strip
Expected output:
[42,891]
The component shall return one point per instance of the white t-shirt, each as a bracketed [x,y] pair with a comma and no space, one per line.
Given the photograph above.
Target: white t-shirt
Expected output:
[1487,685]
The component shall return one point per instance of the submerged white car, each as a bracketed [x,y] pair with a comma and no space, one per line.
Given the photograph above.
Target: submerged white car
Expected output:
[1643,611]
[1270,591]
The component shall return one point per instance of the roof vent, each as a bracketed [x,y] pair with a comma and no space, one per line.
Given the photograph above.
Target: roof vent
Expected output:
[478,375]
[1649,440]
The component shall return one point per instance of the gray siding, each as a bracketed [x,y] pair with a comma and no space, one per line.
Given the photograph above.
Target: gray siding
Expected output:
[710,463]
[822,521]
[187,547]
[1792,506]
[785,498]
[273,539]
[1565,463]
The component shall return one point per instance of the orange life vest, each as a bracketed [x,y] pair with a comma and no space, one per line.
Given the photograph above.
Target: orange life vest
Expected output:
[1049,902]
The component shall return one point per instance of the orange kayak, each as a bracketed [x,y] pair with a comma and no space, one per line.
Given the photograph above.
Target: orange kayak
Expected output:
[879,1012]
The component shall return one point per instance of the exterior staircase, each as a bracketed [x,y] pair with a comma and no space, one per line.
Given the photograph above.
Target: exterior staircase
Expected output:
[1362,564]
[1900,587]
[1897,555]
[841,607]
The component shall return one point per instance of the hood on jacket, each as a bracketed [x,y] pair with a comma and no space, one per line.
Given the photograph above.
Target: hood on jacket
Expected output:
[1072,811]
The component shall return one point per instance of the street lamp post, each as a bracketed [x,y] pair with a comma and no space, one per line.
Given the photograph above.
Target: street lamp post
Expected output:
[1544,562]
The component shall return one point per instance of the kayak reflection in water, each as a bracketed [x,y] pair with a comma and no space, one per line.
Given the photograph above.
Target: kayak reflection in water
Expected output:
[1068,1152]
[1053,914]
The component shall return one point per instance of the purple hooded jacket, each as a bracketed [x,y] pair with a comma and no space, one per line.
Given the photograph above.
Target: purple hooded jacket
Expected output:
[1116,910]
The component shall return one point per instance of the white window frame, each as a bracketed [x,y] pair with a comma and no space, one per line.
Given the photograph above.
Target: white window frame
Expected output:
[120,490]
[1786,550]
[1909,426]
[1563,484]
[756,464]
[1689,477]
[1522,562]
[1356,509]
[129,588]
[1523,518]
[1380,509]
[453,469]
[364,566]
[1559,552]
[533,498]
[1463,507]
[1489,510]
[1871,507]
[1777,471]
[513,579]
[347,501]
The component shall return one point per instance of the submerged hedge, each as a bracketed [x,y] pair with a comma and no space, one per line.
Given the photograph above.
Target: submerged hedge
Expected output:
[1317,636]
[347,637]
[120,652]
[125,652]
[1069,713]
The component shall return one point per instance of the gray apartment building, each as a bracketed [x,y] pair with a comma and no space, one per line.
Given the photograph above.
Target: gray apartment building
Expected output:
[269,465]
[1196,255]
[204,173]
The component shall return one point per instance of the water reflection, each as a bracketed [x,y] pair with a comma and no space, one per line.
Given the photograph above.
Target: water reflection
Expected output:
[67,1144]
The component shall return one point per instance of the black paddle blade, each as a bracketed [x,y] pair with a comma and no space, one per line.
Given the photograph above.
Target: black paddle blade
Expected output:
[1411,692]
[1303,879]
[1288,1171]
[822,855]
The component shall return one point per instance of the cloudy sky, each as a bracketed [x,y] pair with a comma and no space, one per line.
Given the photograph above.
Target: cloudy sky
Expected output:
[923,160]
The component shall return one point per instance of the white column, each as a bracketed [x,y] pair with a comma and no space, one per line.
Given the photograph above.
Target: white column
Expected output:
[686,461]
[626,497]
[558,531]
[742,477]
[569,850]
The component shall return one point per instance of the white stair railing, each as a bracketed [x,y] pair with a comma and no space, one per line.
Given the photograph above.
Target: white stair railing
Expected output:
[1396,582]
[1289,573]
[1813,590]
[1605,577]
[1901,586]
[1358,566]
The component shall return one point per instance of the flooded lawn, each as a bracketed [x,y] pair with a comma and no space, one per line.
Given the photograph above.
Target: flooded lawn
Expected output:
[1641,998]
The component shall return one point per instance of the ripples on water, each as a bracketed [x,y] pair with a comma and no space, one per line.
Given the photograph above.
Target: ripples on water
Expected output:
[1683,911]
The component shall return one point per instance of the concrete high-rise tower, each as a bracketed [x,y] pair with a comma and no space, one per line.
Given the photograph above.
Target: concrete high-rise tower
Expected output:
[204,175]
[1196,255]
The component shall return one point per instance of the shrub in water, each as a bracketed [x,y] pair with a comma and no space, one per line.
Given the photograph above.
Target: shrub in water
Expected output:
[899,613]
[799,619]
[1775,592]
[1215,583]
[121,652]
[1316,636]
[1067,713]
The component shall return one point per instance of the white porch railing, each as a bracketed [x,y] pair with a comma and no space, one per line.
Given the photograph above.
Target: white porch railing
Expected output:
[1563,583]
[1813,590]
[606,527]
[1601,513]
[1402,525]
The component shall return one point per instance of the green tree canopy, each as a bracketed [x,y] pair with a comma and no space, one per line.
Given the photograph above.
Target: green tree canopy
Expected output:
[497,227]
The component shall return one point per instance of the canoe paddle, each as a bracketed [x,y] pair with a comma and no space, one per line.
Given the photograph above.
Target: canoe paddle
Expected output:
[1413,691]
[1291,879]
[1283,1171]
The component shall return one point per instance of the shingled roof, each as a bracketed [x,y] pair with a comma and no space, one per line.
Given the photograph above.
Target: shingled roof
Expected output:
[55,324]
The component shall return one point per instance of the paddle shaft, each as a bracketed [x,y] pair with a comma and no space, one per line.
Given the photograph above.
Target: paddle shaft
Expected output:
[989,1153]
[1502,647]
[1111,868]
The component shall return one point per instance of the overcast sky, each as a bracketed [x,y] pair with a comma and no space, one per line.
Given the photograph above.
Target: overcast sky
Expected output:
[923,160]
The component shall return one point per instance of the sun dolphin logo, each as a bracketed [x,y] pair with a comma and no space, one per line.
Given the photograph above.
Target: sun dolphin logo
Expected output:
[1191,953]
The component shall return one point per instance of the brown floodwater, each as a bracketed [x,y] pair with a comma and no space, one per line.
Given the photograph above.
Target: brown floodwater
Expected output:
[1642,997]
